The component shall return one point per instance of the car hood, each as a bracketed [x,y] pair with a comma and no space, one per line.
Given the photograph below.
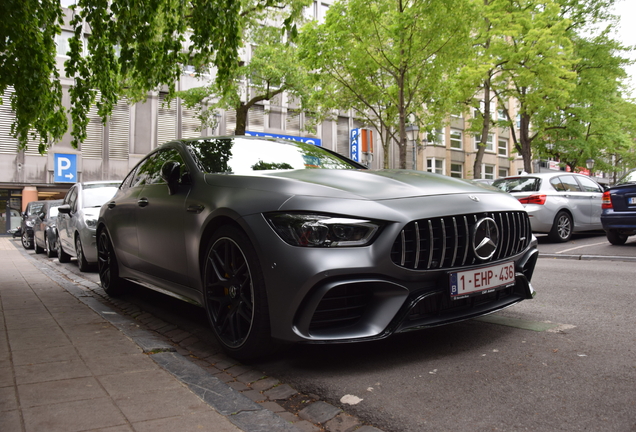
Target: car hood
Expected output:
[353,184]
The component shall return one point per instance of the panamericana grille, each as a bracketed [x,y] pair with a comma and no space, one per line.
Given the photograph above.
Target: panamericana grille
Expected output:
[446,242]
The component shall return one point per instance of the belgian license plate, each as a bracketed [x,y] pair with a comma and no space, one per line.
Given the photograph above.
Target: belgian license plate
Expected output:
[631,200]
[481,280]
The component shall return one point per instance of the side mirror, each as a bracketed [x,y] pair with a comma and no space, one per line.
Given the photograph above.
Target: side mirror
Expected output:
[171,173]
[66,209]
[42,215]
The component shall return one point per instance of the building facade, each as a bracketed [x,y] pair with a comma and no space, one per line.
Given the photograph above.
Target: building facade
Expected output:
[113,148]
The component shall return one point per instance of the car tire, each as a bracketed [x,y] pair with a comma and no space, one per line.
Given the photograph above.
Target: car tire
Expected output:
[82,264]
[27,242]
[616,238]
[108,267]
[562,228]
[62,256]
[38,249]
[235,297]
[50,248]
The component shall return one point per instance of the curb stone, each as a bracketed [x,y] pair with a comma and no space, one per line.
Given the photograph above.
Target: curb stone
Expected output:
[211,383]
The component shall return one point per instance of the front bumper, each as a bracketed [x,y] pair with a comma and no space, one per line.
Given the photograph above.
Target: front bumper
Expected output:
[333,295]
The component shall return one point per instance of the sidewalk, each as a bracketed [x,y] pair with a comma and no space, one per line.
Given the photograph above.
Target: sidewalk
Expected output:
[63,367]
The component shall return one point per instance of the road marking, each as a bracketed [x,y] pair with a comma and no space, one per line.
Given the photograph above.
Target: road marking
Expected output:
[579,247]
[525,324]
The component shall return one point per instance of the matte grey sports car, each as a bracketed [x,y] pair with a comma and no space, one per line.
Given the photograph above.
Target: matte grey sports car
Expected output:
[285,241]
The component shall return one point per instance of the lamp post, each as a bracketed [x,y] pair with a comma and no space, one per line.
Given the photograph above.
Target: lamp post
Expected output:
[412,135]
[589,163]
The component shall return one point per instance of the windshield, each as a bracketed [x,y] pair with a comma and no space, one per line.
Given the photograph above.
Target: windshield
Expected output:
[630,177]
[97,195]
[518,184]
[245,155]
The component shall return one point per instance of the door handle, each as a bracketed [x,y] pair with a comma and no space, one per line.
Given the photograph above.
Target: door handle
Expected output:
[195,208]
[142,202]
[111,205]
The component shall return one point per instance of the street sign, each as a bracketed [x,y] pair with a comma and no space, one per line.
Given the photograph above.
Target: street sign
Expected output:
[355,145]
[65,170]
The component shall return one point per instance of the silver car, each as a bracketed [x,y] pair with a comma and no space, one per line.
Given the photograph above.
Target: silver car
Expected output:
[558,203]
[77,220]
[286,241]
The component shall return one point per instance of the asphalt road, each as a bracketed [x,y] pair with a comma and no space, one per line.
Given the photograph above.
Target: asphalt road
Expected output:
[565,361]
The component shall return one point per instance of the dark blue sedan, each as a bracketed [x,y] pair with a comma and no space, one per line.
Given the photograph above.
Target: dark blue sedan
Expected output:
[619,209]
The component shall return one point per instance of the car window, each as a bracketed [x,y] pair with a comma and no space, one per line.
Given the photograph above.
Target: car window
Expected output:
[569,183]
[557,185]
[518,184]
[149,170]
[242,156]
[71,198]
[95,195]
[589,185]
[630,177]
[34,207]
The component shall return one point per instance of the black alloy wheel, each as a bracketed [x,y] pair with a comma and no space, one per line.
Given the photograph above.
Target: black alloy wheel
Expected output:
[235,298]
[615,237]
[62,256]
[82,264]
[27,242]
[107,266]
[51,248]
[562,228]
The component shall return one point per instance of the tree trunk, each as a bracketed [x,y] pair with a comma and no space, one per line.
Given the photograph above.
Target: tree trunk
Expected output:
[485,130]
[241,118]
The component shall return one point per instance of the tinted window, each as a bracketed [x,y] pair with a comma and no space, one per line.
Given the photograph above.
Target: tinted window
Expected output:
[518,184]
[149,171]
[241,156]
[588,185]
[569,183]
[71,198]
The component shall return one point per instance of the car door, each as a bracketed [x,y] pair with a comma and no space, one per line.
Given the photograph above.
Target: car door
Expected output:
[578,202]
[64,229]
[160,222]
[594,193]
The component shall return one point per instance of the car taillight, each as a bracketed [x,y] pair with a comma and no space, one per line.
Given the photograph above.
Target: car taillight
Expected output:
[533,199]
[607,200]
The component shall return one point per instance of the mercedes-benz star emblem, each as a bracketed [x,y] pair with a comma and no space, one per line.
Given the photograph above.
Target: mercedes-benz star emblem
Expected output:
[485,238]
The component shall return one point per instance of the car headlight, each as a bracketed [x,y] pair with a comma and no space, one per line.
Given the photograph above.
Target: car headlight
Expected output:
[30,223]
[314,230]
[91,221]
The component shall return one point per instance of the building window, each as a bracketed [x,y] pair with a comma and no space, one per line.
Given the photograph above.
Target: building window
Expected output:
[490,144]
[437,137]
[503,172]
[488,172]
[61,41]
[502,148]
[456,139]
[435,165]
[457,170]
[501,114]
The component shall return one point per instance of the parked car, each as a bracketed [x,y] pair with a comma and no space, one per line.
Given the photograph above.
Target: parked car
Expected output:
[558,203]
[77,220]
[619,209]
[286,241]
[44,228]
[28,220]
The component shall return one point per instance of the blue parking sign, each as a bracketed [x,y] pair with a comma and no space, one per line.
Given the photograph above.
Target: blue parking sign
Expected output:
[355,145]
[65,170]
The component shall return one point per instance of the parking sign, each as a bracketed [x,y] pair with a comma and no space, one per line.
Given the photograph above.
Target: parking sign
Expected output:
[65,170]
